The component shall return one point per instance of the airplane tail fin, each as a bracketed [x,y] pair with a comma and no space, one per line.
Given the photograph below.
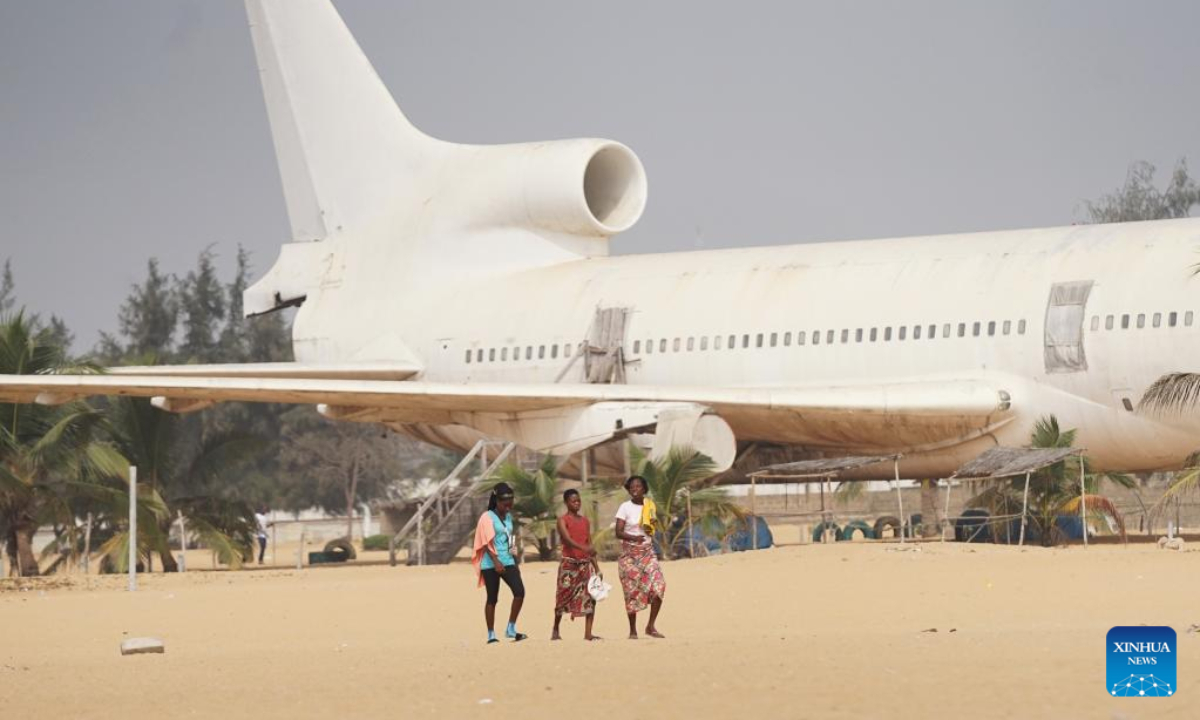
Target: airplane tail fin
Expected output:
[344,147]
[358,176]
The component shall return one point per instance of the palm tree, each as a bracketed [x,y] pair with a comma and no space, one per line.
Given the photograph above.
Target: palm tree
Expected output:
[534,500]
[1054,490]
[180,464]
[45,451]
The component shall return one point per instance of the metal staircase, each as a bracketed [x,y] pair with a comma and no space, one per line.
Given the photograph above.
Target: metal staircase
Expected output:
[444,520]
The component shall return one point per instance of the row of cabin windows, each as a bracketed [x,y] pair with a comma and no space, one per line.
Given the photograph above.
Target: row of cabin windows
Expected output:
[828,337]
[1156,320]
[513,354]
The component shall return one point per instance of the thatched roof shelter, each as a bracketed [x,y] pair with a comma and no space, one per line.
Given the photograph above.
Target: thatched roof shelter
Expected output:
[1002,462]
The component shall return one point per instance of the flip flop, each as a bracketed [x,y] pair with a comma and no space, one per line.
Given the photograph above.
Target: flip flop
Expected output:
[519,637]
[594,638]
[493,640]
[656,634]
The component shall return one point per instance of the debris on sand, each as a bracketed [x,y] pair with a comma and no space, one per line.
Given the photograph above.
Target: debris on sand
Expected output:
[142,646]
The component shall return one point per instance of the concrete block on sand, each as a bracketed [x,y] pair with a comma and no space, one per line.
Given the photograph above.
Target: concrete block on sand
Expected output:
[143,645]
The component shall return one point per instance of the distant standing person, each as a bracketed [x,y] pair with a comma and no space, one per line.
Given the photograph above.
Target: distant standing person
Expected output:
[260,520]
[494,561]
[641,577]
[575,570]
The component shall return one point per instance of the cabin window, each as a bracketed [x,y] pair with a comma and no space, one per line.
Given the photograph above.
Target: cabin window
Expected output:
[946,330]
[732,342]
[637,346]
[829,337]
[717,342]
[858,335]
[503,354]
[662,345]
[874,334]
[991,328]
[468,357]
[774,339]
[554,351]
[1187,318]
[1157,319]
[1124,322]
[1172,319]
[1141,320]
[975,329]
[1021,328]
[916,332]
[1008,326]
[491,354]
[649,347]
[567,350]
[1095,323]
[816,337]
[845,336]
[887,334]
[902,332]
[691,344]
[479,355]
[704,343]
[541,352]
[962,329]
[758,340]
[1108,322]
[787,338]
[675,345]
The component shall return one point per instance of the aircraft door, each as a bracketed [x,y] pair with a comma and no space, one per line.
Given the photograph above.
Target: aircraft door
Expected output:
[1065,312]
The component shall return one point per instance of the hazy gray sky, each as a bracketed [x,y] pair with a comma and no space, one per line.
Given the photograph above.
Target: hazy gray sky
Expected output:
[136,128]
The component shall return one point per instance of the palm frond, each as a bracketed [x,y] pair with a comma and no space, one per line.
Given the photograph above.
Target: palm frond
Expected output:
[1173,393]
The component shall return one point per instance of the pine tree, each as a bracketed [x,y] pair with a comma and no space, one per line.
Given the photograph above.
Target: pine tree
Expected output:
[8,299]
[147,319]
[202,302]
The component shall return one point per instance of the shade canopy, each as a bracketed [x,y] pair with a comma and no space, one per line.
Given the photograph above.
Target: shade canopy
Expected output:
[819,469]
[1002,462]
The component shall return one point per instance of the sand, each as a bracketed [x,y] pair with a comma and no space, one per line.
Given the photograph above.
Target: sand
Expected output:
[832,631]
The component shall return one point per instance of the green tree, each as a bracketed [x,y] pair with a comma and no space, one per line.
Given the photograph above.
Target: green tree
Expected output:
[337,465]
[1053,491]
[45,451]
[147,320]
[8,297]
[202,304]
[185,470]
[1140,199]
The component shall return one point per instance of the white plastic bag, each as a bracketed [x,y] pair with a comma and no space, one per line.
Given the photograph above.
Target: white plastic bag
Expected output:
[597,588]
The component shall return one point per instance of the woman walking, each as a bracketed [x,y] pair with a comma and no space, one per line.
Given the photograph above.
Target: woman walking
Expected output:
[575,570]
[494,561]
[641,577]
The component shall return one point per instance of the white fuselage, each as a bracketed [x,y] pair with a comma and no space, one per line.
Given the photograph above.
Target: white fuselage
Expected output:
[954,306]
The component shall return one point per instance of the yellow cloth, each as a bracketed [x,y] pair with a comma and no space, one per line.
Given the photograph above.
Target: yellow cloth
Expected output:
[649,516]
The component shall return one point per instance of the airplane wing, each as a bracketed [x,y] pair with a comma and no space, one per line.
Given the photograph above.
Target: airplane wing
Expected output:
[905,415]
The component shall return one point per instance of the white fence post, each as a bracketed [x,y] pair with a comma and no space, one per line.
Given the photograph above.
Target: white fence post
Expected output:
[132,528]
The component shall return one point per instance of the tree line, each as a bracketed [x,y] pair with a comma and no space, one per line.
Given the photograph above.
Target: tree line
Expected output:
[61,465]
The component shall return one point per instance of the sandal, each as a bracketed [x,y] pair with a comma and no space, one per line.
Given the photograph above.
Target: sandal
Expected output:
[519,637]
[493,640]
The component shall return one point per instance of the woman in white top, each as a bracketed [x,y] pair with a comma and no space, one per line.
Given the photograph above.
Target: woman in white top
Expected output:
[641,577]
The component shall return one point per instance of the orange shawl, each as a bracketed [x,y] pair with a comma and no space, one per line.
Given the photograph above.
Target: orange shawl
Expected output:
[485,537]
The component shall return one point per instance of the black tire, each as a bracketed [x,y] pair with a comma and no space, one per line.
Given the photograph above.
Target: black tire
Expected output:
[885,522]
[341,550]
[820,529]
[848,529]
[972,526]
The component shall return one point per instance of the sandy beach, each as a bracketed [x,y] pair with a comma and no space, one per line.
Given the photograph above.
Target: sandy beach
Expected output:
[834,631]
